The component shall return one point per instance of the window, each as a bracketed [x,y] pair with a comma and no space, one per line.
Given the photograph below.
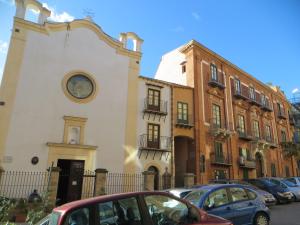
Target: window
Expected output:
[182,112]
[216,199]
[153,135]
[280,109]
[237,86]
[287,171]
[268,133]
[241,124]
[256,129]
[216,111]
[245,153]
[245,174]
[218,150]
[283,136]
[252,93]
[238,194]
[78,216]
[214,72]
[220,174]
[183,68]
[273,170]
[153,99]
[263,99]
[166,210]
[251,194]
[123,211]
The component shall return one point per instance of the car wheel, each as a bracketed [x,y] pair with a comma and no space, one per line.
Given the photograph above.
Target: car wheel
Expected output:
[261,219]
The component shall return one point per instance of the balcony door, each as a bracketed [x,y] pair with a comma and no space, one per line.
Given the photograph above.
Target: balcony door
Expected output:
[153,100]
[153,136]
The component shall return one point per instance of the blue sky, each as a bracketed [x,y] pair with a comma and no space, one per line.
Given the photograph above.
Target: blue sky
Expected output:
[261,37]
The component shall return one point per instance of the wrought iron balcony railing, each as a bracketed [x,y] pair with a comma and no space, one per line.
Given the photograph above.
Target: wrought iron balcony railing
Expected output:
[241,93]
[219,128]
[159,108]
[281,114]
[245,135]
[256,100]
[184,121]
[220,159]
[246,162]
[267,106]
[218,82]
[163,143]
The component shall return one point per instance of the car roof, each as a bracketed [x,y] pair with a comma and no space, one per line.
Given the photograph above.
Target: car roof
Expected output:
[103,198]
[213,186]
[178,189]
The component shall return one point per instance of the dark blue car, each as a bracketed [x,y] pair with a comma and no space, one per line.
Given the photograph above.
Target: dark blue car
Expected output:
[234,202]
[280,192]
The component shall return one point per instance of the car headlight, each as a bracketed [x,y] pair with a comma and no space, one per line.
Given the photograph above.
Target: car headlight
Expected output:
[280,194]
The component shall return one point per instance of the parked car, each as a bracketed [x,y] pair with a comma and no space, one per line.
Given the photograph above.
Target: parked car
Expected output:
[295,189]
[295,180]
[234,202]
[139,208]
[280,192]
[179,192]
[267,197]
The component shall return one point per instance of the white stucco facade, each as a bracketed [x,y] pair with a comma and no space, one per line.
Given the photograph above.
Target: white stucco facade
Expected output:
[170,68]
[160,160]
[40,104]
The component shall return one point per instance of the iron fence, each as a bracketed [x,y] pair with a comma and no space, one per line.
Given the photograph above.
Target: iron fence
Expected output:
[124,182]
[88,184]
[20,184]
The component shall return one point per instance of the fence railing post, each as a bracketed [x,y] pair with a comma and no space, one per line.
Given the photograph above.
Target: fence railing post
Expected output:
[100,182]
[148,180]
[189,180]
[53,184]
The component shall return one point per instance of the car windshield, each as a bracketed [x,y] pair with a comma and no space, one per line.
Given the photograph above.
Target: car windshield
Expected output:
[288,183]
[51,219]
[195,196]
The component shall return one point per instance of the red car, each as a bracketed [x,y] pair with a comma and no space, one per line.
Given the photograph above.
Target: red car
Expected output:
[139,208]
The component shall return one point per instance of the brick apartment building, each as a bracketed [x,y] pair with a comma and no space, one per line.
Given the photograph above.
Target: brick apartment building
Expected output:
[240,122]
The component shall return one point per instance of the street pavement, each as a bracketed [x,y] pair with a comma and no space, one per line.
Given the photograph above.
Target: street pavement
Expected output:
[287,214]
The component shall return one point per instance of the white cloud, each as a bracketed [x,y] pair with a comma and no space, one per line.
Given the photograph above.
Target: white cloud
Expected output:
[3,47]
[58,17]
[178,29]
[296,90]
[196,16]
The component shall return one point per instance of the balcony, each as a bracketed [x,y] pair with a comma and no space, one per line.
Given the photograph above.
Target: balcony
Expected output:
[241,94]
[160,109]
[162,145]
[267,106]
[245,135]
[245,162]
[219,129]
[292,120]
[217,82]
[185,123]
[281,115]
[271,141]
[220,160]
[255,101]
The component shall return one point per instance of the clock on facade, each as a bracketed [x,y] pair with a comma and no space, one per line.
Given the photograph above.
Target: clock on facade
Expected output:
[80,86]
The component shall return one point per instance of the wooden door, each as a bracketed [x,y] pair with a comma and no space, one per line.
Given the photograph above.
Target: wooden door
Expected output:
[75,180]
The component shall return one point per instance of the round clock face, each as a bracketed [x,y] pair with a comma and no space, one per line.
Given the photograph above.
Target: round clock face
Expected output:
[79,86]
